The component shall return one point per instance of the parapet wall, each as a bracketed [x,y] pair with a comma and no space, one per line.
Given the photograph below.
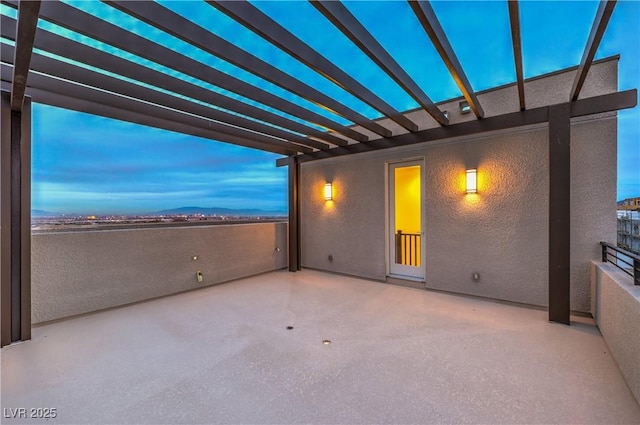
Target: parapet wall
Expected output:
[616,310]
[84,271]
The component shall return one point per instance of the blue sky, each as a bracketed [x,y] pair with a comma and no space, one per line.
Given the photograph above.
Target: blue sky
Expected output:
[88,164]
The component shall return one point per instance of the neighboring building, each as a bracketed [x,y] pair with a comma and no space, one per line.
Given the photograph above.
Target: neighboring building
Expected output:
[632,204]
[629,224]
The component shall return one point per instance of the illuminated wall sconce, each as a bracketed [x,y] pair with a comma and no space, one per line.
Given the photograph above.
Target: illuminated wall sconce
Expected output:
[472,181]
[328,192]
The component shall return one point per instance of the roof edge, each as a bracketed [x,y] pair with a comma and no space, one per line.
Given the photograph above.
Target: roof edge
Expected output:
[526,80]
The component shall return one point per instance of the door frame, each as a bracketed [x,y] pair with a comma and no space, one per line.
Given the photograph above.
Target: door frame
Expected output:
[420,274]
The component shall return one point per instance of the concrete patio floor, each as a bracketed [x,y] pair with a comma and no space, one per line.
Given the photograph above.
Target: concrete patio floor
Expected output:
[224,354]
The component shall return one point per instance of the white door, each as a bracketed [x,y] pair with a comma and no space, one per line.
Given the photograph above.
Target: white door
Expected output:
[406,223]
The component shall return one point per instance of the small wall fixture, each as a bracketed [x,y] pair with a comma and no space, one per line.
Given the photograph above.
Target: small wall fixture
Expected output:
[472,181]
[328,192]
[465,108]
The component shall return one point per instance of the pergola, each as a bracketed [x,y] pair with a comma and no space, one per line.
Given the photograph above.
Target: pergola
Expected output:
[110,85]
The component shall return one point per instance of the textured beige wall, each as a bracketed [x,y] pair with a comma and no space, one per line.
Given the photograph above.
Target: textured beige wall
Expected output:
[351,227]
[79,272]
[617,310]
[593,199]
[502,232]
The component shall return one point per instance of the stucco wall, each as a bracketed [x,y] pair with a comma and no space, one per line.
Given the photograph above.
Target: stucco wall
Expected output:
[79,272]
[502,232]
[616,311]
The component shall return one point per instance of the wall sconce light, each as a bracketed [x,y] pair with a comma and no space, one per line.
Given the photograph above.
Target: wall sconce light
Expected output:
[472,181]
[328,192]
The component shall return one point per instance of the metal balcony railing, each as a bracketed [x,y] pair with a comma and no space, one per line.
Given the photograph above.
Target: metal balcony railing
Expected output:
[408,248]
[626,261]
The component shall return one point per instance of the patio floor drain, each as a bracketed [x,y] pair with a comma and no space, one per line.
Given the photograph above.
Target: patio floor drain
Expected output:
[326,342]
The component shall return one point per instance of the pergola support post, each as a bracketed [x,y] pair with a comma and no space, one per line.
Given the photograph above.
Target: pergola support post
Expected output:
[15,222]
[294,214]
[559,213]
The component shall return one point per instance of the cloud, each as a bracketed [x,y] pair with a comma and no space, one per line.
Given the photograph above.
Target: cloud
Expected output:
[92,163]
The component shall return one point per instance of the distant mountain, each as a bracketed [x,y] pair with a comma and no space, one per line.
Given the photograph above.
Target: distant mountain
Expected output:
[250,212]
[42,213]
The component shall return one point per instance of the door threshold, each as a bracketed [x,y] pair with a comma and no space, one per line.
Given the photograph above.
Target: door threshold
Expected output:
[408,281]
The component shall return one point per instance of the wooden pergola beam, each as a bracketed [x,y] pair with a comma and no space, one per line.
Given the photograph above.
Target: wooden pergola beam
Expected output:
[429,21]
[605,10]
[25,35]
[514,21]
